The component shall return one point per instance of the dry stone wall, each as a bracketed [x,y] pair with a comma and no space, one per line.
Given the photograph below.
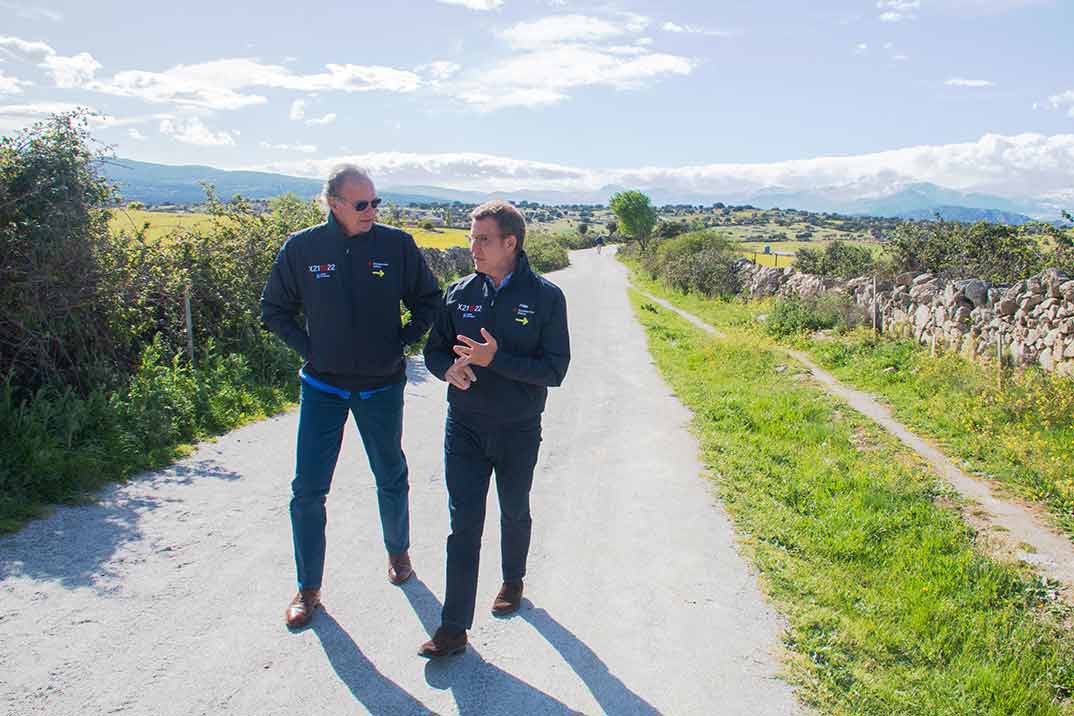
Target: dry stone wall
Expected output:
[1028,323]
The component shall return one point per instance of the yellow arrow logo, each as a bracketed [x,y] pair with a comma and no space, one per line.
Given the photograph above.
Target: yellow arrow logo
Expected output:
[379,273]
[524,321]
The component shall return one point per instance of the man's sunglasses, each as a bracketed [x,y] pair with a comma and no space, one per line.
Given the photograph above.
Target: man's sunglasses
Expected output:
[363,204]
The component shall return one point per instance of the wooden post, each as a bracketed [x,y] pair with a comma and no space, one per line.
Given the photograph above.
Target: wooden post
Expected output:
[189,325]
[876,308]
[932,343]
[999,359]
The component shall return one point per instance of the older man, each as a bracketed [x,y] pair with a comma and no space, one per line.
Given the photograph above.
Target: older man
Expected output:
[347,277]
[500,341]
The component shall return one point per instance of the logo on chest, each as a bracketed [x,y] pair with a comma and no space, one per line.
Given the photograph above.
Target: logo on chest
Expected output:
[376,268]
[469,310]
[522,314]
[320,271]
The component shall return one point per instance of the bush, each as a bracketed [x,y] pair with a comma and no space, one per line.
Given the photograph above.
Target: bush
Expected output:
[546,254]
[836,259]
[993,252]
[700,261]
[795,315]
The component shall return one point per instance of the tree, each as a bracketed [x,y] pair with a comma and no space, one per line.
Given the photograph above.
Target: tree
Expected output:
[636,215]
[613,226]
[583,228]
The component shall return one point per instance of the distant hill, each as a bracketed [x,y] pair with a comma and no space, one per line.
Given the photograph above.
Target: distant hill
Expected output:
[968,215]
[156,184]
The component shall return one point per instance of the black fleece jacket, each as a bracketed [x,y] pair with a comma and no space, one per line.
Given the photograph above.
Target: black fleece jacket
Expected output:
[528,319]
[349,288]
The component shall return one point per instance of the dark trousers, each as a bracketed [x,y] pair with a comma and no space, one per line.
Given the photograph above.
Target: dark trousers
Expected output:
[322,418]
[473,450]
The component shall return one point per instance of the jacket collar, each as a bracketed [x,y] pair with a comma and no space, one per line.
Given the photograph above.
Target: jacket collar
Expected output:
[337,229]
[522,271]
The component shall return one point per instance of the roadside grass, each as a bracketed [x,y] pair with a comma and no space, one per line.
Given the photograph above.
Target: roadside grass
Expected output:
[890,609]
[1021,434]
[439,238]
[60,446]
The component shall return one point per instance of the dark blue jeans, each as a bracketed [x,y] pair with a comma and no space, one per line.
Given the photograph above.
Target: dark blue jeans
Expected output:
[322,418]
[472,451]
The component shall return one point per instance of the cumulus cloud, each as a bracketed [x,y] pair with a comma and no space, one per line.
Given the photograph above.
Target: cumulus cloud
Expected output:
[1018,165]
[962,82]
[66,72]
[439,70]
[557,54]
[304,148]
[298,109]
[191,130]
[136,135]
[475,4]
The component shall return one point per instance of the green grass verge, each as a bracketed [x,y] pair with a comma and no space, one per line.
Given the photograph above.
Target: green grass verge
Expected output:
[1021,434]
[59,446]
[890,609]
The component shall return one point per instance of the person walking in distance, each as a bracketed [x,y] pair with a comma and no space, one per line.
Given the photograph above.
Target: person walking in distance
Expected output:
[346,277]
[500,340]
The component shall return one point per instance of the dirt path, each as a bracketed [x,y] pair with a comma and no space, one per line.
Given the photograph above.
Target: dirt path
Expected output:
[1012,530]
[167,597]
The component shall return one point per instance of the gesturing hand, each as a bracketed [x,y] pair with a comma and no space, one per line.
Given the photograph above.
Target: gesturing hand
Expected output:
[478,353]
[460,374]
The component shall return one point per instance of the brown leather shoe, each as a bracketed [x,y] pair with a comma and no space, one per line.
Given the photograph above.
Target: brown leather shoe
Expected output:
[302,607]
[399,569]
[445,642]
[508,600]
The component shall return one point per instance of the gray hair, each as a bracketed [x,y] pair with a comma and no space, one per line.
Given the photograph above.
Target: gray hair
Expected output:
[340,175]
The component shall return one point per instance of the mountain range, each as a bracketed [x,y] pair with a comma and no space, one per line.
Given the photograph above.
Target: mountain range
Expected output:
[156,184]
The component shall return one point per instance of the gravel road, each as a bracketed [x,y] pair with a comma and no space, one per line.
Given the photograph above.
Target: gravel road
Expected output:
[167,595]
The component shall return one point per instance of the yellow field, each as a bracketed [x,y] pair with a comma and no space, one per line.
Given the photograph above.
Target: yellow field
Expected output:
[161,223]
[439,238]
[164,223]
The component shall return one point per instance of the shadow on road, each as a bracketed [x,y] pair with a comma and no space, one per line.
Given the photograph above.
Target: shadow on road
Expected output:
[74,545]
[612,694]
[377,693]
[481,688]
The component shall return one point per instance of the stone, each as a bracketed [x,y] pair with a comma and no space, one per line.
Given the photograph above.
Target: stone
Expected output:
[1045,359]
[1051,337]
[1030,302]
[1066,290]
[922,278]
[977,292]
[1006,307]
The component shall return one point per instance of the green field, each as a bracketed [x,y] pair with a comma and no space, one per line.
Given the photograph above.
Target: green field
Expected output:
[165,223]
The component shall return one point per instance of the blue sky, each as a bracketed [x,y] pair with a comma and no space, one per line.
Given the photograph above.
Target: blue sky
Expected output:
[509,94]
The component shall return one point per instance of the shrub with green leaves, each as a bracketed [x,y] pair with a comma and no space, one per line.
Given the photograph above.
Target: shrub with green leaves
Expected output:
[546,254]
[699,261]
[838,259]
[794,315]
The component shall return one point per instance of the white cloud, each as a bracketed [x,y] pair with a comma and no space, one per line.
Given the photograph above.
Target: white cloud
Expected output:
[11,85]
[559,29]
[329,118]
[439,70]
[1063,100]
[25,47]
[962,82]
[71,72]
[192,131]
[563,52]
[304,148]
[898,10]
[900,58]
[37,110]
[136,135]
[298,109]
[162,88]
[475,4]
[30,12]
[1019,165]
[861,48]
